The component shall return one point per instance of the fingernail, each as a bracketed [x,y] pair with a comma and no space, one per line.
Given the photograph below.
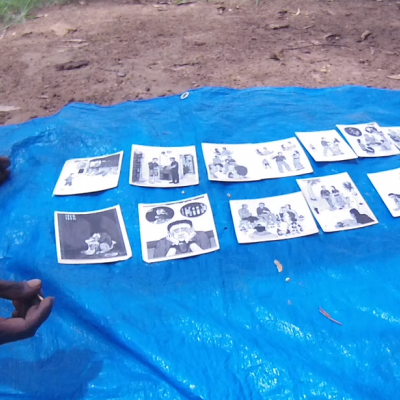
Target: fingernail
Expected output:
[34,283]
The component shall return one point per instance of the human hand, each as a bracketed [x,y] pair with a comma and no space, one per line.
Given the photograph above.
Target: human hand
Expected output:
[30,312]
[4,171]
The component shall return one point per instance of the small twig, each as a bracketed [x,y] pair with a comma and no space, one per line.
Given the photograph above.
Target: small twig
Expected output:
[325,314]
[4,32]
[40,297]
[312,45]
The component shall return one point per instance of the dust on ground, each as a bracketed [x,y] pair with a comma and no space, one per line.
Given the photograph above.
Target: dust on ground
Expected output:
[107,52]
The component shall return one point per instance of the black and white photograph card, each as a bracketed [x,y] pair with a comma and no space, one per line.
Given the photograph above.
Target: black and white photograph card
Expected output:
[88,175]
[272,218]
[368,140]
[164,167]
[177,229]
[387,184]
[336,203]
[91,237]
[253,162]
[393,133]
[326,146]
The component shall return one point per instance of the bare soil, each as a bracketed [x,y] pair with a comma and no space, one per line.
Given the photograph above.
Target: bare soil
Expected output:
[108,52]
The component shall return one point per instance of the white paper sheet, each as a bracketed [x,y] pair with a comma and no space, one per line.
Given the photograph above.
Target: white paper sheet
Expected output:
[272,218]
[336,202]
[393,133]
[177,229]
[253,162]
[164,166]
[91,237]
[326,146]
[387,184]
[368,140]
[87,175]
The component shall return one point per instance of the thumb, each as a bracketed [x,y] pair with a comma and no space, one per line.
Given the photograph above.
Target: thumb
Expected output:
[11,290]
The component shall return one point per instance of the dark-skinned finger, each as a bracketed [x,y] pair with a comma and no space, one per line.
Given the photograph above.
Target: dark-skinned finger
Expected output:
[21,308]
[14,329]
[5,162]
[11,290]
[4,175]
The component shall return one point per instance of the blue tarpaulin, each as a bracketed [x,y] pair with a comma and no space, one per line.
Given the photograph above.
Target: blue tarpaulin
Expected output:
[222,326]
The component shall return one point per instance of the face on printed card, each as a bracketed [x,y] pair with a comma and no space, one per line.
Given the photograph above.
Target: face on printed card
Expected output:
[177,229]
[336,203]
[87,175]
[164,166]
[387,184]
[326,146]
[91,237]
[251,162]
[272,218]
[369,140]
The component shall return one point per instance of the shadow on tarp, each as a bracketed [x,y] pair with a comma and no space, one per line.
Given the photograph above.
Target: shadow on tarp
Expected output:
[65,375]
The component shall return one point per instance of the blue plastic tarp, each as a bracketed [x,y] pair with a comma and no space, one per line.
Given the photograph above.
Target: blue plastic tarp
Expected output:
[225,325]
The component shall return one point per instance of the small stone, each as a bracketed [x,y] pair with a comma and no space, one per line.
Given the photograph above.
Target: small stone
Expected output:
[121,74]
[287,279]
[183,192]
[228,195]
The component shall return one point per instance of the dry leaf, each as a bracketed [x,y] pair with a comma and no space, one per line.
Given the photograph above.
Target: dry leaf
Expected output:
[365,35]
[279,266]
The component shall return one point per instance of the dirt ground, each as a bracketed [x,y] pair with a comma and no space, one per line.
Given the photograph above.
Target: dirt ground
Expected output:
[108,52]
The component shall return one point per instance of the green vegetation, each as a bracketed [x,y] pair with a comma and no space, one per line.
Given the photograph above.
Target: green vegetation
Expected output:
[15,11]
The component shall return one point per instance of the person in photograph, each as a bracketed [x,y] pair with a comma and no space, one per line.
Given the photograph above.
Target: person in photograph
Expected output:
[263,152]
[296,161]
[181,239]
[336,148]
[370,140]
[225,152]
[265,214]
[68,180]
[174,170]
[360,218]
[245,214]
[365,148]
[260,231]
[326,146]
[396,199]
[312,147]
[384,144]
[338,199]
[161,216]
[153,170]
[219,171]
[326,195]
[217,159]
[281,162]
[266,164]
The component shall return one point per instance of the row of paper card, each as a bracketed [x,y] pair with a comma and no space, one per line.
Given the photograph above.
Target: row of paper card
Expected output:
[186,228]
[177,166]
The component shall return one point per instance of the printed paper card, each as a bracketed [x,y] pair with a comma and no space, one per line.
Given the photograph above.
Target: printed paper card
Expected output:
[336,202]
[387,184]
[91,237]
[368,140]
[253,162]
[177,229]
[272,218]
[326,146]
[164,166]
[87,175]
